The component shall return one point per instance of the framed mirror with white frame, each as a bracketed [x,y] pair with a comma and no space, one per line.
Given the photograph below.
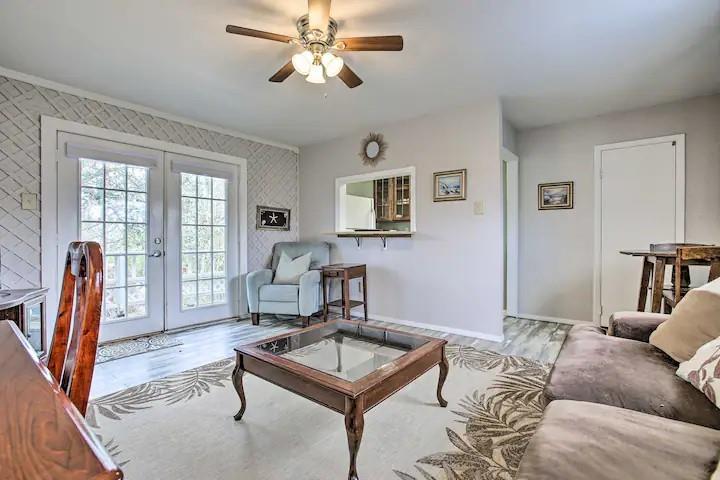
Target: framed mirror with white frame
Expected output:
[380,202]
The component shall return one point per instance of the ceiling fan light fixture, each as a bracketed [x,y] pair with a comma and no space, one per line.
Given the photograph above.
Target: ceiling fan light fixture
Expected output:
[332,63]
[302,62]
[316,74]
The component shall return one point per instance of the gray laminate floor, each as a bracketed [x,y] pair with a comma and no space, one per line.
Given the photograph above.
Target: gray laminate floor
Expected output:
[527,338]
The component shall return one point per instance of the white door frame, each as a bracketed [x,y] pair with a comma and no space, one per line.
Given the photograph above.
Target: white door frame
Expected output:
[49,248]
[512,193]
[679,140]
[177,317]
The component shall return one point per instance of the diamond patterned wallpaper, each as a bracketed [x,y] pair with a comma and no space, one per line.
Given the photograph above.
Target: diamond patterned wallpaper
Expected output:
[272,171]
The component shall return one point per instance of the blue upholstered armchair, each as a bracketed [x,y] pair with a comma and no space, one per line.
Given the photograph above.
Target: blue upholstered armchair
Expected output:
[302,299]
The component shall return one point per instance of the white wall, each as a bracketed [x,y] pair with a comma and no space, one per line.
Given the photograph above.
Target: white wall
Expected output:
[450,272]
[556,247]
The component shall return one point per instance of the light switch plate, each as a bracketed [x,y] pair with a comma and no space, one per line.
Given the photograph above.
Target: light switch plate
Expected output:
[29,201]
[479,207]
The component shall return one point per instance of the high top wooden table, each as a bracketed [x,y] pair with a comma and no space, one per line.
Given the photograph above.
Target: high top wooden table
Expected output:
[654,263]
[345,272]
[42,435]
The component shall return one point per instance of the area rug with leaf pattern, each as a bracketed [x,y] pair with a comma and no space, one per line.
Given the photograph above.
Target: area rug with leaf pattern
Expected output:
[181,427]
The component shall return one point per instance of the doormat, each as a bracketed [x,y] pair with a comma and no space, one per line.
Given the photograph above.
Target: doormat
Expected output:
[135,346]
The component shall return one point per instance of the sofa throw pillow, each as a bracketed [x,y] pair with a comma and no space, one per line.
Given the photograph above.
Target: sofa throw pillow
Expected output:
[694,322]
[288,270]
[716,473]
[702,370]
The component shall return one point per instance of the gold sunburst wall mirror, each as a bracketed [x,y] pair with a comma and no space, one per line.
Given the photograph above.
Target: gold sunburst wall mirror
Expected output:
[373,149]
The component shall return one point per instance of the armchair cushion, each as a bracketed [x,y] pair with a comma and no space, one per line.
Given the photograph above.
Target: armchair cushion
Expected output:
[635,325]
[279,293]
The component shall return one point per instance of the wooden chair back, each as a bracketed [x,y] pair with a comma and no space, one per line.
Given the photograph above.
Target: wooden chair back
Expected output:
[74,345]
[705,255]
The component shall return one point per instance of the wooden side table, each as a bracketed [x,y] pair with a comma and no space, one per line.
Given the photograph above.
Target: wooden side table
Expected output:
[345,272]
[26,308]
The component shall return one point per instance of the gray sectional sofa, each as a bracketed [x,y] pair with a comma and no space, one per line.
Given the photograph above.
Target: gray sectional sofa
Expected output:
[618,411]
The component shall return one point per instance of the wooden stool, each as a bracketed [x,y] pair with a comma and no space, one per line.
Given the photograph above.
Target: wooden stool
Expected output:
[345,272]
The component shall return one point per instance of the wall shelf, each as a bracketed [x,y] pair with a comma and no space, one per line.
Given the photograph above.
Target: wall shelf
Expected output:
[383,235]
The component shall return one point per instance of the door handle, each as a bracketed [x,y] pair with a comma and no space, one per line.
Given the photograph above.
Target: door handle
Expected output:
[156,253]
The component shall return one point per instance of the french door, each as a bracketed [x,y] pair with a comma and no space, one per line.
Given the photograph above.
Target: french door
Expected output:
[168,228]
[202,240]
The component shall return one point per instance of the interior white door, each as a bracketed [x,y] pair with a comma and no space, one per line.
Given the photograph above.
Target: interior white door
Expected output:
[638,207]
[202,240]
[112,193]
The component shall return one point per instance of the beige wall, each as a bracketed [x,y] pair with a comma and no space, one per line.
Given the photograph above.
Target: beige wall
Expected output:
[450,273]
[556,247]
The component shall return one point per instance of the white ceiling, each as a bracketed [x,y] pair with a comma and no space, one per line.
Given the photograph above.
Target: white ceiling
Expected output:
[549,60]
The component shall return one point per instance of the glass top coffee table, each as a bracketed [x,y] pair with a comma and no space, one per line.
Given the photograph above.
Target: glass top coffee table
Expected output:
[347,366]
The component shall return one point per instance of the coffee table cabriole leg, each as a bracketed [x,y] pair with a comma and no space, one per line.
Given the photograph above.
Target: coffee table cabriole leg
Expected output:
[237,378]
[444,368]
[354,423]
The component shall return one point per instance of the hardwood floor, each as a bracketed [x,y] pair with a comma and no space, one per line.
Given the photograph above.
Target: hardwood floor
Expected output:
[527,338]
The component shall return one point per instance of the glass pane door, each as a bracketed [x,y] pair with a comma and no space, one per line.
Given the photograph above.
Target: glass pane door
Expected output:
[119,205]
[113,212]
[202,273]
[204,217]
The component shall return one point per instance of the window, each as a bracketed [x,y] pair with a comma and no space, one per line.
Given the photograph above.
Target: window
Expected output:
[203,236]
[114,213]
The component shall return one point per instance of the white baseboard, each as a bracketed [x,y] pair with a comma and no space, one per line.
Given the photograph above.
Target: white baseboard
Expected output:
[440,328]
[544,318]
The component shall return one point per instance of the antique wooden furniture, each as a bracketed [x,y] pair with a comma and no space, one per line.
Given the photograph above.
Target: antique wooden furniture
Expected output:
[42,434]
[653,271]
[345,272]
[366,366]
[392,199]
[686,256]
[26,308]
[72,352]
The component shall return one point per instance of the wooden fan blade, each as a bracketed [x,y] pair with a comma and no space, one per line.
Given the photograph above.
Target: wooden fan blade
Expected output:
[349,77]
[283,73]
[388,43]
[319,14]
[249,32]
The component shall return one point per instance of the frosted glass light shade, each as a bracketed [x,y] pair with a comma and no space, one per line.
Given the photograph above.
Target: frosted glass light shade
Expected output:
[316,74]
[302,62]
[332,64]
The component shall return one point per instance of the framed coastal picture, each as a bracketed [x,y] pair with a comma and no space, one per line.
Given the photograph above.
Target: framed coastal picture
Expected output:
[450,185]
[272,218]
[555,196]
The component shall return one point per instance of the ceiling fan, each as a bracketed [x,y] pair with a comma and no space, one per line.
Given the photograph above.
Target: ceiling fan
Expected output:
[316,35]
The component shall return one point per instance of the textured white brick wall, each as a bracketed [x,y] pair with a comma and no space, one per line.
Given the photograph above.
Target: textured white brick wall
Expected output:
[272,171]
